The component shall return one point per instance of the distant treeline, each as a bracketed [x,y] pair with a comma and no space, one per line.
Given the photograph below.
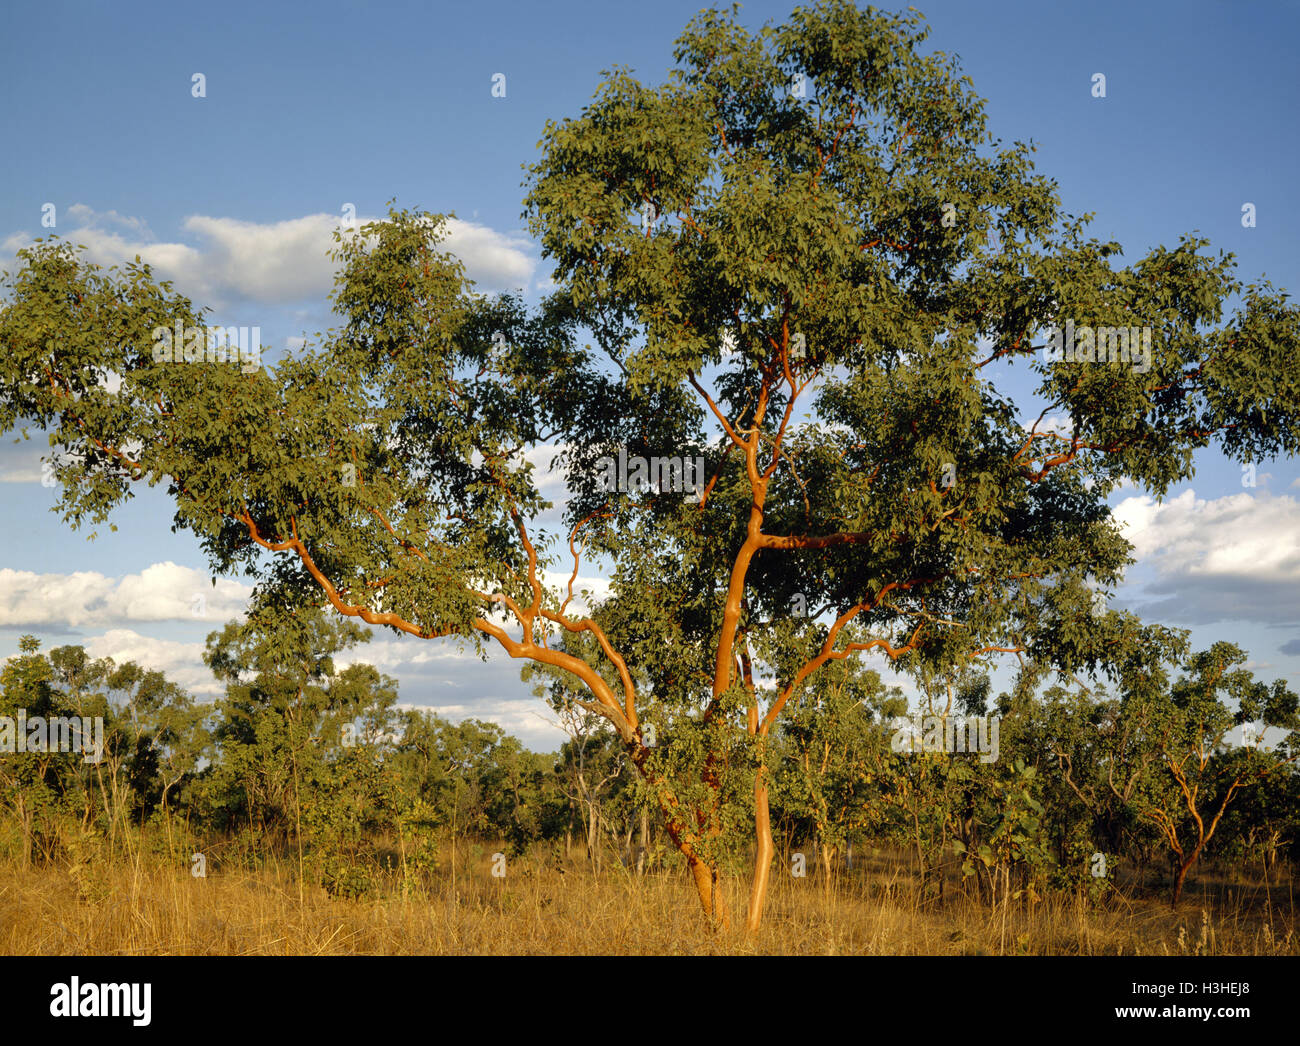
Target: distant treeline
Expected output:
[301,759]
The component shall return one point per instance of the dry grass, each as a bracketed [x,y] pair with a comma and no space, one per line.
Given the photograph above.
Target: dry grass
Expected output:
[141,906]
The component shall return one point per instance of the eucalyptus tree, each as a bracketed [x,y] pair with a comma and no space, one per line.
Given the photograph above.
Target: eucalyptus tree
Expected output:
[283,693]
[802,259]
[805,254]
[833,745]
[1192,774]
[29,786]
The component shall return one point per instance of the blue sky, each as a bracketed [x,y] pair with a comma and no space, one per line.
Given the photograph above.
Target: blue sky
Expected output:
[311,107]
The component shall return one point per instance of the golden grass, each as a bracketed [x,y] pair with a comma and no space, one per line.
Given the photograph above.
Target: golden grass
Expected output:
[142,906]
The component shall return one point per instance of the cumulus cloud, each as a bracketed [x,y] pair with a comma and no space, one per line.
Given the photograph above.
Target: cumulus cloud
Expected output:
[528,719]
[181,663]
[237,263]
[453,682]
[493,260]
[1238,535]
[162,592]
[88,217]
[390,655]
[432,670]
[1056,424]
[1230,558]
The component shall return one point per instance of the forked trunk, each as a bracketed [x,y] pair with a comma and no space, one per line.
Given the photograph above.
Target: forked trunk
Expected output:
[828,865]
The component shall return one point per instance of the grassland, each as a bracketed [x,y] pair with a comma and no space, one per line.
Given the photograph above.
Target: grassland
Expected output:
[141,905]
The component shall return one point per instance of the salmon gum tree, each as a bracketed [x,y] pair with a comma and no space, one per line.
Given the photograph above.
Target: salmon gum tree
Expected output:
[803,259]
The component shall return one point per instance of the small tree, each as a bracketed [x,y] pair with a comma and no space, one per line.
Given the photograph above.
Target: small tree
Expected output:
[27,778]
[1193,778]
[831,743]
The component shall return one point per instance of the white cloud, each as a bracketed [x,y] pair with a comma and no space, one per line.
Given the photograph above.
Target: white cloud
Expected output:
[1056,424]
[496,261]
[1235,557]
[552,482]
[10,246]
[243,263]
[389,655]
[88,216]
[558,581]
[1241,535]
[162,592]
[529,719]
[273,262]
[181,663]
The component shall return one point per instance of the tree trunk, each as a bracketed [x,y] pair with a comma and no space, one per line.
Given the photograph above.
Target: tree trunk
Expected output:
[171,846]
[1180,876]
[762,852]
[645,841]
[828,858]
[593,844]
[25,819]
[708,884]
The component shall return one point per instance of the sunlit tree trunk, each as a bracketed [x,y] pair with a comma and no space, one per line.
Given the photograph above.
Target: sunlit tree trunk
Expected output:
[828,851]
[708,884]
[763,851]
